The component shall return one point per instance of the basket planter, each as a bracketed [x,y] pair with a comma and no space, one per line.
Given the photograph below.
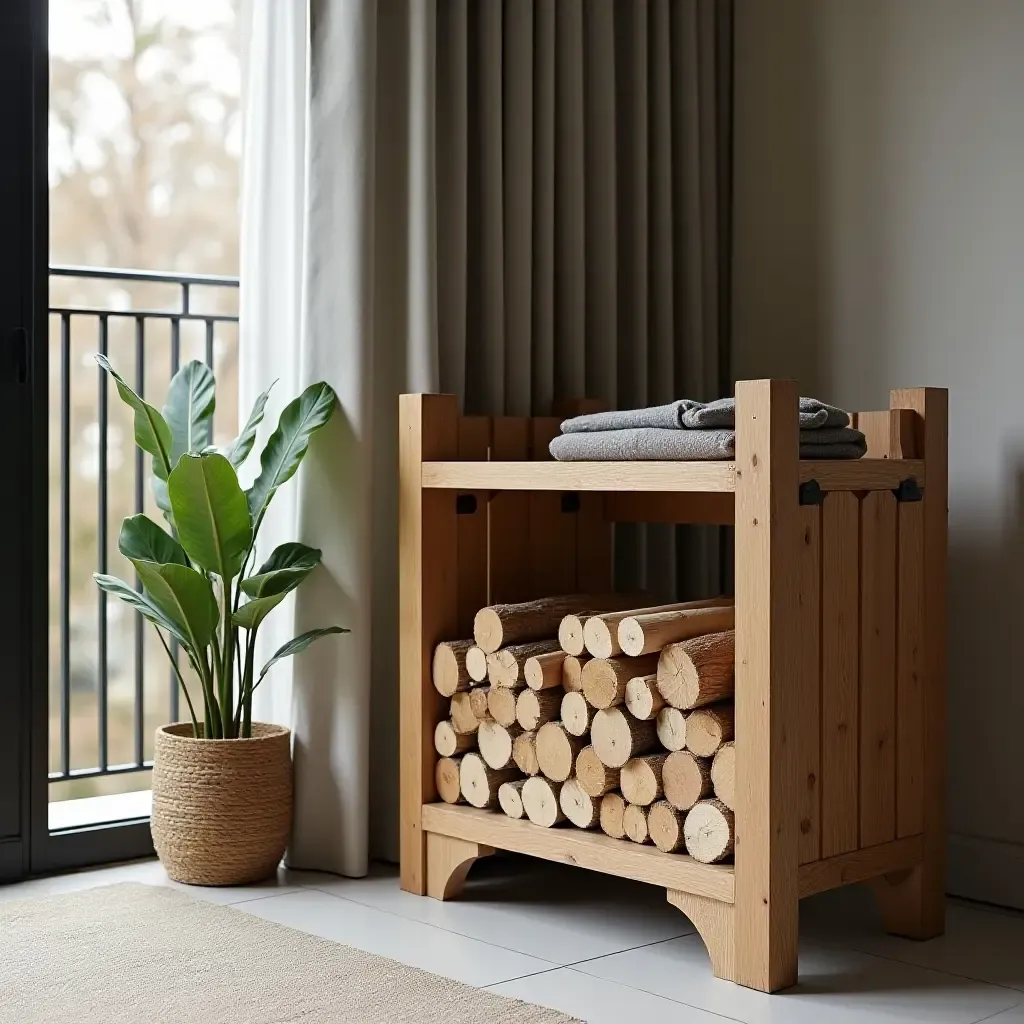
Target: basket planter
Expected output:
[222,809]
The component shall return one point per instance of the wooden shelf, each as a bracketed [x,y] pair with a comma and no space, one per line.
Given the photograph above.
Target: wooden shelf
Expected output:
[832,474]
[592,850]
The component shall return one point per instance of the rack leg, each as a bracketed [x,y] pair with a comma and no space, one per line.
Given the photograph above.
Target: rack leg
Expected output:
[448,863]
[912,903]
[715,923]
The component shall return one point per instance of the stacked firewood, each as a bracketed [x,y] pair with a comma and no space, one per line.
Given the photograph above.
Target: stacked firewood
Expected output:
[573,710]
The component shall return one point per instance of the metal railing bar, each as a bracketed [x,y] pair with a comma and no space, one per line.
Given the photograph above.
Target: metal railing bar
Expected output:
[152,314]
[65,543]
[138,711]
[111,769]
[156,276]
[175,366]
[184,296]
[209,343]
[101,544]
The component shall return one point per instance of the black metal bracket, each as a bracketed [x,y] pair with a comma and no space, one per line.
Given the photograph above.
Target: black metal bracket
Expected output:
[811,493]
[908,490]
[465,504]
[570,501]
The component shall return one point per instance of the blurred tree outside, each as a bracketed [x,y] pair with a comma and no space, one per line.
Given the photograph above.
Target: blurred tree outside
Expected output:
[145,143]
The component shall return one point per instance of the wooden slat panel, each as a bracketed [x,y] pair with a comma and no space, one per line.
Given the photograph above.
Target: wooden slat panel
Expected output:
[910,671]
[878,669]
[808,707]
[552,557]
[840,655]
[508,527]
[714,508]
[474,443]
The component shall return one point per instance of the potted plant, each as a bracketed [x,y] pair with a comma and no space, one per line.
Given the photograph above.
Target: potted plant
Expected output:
[222,784]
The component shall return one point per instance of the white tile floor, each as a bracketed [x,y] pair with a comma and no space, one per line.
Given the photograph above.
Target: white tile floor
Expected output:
[614,952]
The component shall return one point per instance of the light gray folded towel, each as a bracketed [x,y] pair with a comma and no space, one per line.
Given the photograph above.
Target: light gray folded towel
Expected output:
[687,413]
[660,444]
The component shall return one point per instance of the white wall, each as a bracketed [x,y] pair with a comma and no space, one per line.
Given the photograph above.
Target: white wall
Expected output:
[879,212]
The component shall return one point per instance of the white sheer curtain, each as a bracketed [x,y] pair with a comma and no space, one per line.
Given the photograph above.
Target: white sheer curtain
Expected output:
[512,200]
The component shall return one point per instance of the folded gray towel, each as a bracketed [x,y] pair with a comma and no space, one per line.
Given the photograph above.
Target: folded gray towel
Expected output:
[687,413]
[658,444]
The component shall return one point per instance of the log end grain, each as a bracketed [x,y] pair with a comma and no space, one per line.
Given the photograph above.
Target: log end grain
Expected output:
[448,741]
[476,664]
[556,751]
[524,753]
[540,801]
[544,671]
[577,714]
[447,780]
[578,806]
[698,671]
[480,782]
[461,710]
[570,634]
[501,704]
[448,669]
[613,808]
[510,798]
[495,743]
[572,673]
[599,637]
[617,736]
[671,728]
[687,779]
[593,776]
[665,825]
[708,728]
[642,699]
[641,779]
[487,630]
[478,702]
[710,832]
[536,708]
[723,774]
[634,822]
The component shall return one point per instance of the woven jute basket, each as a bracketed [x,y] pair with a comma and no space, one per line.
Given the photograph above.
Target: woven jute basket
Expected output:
[222,809]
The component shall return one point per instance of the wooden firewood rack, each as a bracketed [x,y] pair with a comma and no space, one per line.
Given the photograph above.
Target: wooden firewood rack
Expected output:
[840,587]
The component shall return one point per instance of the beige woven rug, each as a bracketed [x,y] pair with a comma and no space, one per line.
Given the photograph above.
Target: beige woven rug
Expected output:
[138,954]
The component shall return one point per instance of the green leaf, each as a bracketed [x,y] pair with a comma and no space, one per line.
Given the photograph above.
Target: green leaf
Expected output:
[191,399]
[287,445]
[287,566]
[253,612]
[238,451]
[210,513]
[297,646]
[161,497]
[140,602]
[141,539]
[185,596]
[152,434]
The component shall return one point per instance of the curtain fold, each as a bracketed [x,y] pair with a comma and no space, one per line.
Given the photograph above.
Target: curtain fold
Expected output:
[517,202]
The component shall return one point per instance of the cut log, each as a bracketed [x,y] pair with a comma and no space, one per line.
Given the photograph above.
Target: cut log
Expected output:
[708,728]
[535,708]
[495,743]
[601,632]
[544,671]
[556,751]
[449,670]
[480,782]
[478,702]
[510,798]
[687,779]
[594,777]
[642,634]
[576,713]
[671,728]
[643,700]
[461,710]
[605,679]
[612,810]
[723,774]
[540,801]
[710,831]
[634,823]
[476,664]
[665,824]
[572,673]
[446,779]
[617,736]
[503,624]
[641,779]
[524,753]
[698,671]
[570,633]
[501,703]
[578,806]
[507,666]
[448,741]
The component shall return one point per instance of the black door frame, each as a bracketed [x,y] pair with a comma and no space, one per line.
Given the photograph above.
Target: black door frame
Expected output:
[26,844]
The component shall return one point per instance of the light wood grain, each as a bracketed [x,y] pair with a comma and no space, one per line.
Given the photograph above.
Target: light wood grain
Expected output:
[540,801]
[595,777]
[577,713]
[510,798]
[634,822]
[605,679]
[878,668]
[591,850]
[861,474]
[860,865]
[508,522]
[767,538]
[474,440]
[671,725]
[556,751]
[709,831]
[646,634]
[808,683]
[708,728]
[446,779]
[572,673]
[665,825]
[643,700]
[448,669]
[448,863]
[716,924]
[480,782]
[840,673]
[544,672]
[613,810]
[687,779]
[583,810]
[617,736]
[534,709]
[524,753]
[428,603]
[723,774]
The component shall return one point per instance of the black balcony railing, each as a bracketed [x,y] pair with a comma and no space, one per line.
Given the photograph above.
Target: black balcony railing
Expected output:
[204,307]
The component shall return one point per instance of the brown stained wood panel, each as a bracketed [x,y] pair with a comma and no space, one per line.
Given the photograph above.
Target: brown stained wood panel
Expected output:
[474,444]
[840,655]
[508,517]
[808,707]
[552,556]
[910,671]
[878,668]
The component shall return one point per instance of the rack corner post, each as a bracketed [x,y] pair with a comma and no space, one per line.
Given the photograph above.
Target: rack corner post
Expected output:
[428,609]
[767,656]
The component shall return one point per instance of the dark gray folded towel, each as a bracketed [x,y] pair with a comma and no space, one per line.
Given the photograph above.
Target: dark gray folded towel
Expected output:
[660,444]
[687,413]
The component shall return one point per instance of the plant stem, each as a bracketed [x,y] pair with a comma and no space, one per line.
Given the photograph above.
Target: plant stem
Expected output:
[181,682]
[245,705]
